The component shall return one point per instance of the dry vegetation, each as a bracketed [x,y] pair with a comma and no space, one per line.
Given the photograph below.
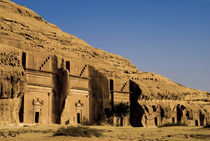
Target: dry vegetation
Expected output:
[103,133]
[78,131]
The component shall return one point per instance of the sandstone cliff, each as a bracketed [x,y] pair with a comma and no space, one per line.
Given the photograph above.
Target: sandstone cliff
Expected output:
[22,28]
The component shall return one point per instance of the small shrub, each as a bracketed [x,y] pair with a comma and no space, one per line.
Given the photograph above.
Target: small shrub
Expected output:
[9,134]
[78,132]
[87,123]
[121,109]
[173,124]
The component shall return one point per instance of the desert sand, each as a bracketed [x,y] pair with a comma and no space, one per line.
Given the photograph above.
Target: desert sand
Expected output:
[45,133]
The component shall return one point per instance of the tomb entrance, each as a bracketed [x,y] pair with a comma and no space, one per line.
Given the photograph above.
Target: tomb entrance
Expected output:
[79,106]
[37,104]
[179,113]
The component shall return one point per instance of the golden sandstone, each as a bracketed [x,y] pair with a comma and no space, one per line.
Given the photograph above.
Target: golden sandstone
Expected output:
[51,77]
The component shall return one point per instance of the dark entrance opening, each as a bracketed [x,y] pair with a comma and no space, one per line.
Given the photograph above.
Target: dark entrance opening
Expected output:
[121,121]
[12,91]
[21,110]
[37,117]
[188,115]
[154,108]
[68,65]
[196,122]
[173,120]
[162,113]
[201,119]
[78,118]
[179,114]
[24,60]
[156,122]
[111,85]
[1,90]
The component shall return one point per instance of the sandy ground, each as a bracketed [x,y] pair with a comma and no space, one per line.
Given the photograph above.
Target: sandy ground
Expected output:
[45,133]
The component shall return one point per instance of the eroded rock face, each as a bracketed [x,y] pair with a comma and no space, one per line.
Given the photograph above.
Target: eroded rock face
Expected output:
[12,85]
[157,100]
[63,92]
[157,113]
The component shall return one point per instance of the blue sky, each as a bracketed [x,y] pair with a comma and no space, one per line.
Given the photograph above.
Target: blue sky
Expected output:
[168,37]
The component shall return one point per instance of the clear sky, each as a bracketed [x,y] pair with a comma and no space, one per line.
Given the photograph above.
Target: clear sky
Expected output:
[168,37]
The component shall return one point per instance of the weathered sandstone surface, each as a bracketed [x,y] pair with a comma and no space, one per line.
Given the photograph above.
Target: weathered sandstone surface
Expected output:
[23,29]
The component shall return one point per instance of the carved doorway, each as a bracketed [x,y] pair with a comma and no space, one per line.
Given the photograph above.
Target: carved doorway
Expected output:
[196,122]
[37,117]
[78,118]
[79,106]
[173,120]
[201,119]
[156,121]
[21,110]
[121,121]
[37,105]
[179,114]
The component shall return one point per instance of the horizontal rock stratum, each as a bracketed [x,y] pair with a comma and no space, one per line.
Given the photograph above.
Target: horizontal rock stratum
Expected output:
[23,29]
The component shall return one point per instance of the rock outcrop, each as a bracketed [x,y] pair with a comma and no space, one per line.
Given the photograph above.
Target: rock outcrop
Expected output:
[12,84]
[23,29]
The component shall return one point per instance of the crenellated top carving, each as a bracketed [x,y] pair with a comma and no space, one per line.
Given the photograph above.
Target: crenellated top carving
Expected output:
[79,104]
[37,102]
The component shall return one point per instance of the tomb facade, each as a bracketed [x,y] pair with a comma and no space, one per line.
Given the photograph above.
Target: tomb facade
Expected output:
[51,89]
